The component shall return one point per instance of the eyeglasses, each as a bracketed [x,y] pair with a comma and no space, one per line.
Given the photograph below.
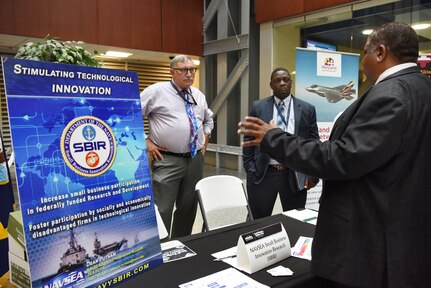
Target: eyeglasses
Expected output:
[192,70]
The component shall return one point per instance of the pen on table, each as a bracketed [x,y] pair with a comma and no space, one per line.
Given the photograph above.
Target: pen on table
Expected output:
[310,219]
[225,257]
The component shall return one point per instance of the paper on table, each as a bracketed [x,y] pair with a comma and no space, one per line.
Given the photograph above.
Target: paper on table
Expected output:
[228,256]
[228,278]
[280,271]
[175,250]
[225,254]
[306,215]
[302,248]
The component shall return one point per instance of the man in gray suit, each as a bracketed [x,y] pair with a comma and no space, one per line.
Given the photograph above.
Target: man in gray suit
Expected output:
[266,177]
[374,227]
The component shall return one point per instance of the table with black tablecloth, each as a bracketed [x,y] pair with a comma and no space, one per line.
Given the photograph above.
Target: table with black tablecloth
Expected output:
[204,244]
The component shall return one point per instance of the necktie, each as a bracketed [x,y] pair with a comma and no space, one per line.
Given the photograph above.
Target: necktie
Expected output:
[280,120]
[193,123]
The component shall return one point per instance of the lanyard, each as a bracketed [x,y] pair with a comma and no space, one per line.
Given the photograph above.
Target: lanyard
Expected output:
[183,96]
[281,115]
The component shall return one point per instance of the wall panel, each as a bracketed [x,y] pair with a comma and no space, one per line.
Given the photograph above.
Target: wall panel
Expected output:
[79,23]
[7,23]
[182,28]
[277,9]
[32,18]
[154,25]
[313,5]
[130,23]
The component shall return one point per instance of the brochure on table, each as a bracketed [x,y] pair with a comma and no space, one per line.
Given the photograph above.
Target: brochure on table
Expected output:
[302,248]
[82,173]
[228,278]
[175,250]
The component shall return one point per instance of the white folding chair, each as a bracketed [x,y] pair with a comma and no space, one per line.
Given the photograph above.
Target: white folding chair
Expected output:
[222,201]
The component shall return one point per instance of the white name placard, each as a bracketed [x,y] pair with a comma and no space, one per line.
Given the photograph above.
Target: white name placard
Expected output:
[263,247]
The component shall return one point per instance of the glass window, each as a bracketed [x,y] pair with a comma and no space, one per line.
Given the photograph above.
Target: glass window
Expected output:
[346,29]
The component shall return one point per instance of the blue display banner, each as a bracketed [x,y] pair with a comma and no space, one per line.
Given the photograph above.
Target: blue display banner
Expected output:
[329,81]
[82,171]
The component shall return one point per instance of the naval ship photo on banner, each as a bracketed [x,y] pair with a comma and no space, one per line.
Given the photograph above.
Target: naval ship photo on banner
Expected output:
[82,171]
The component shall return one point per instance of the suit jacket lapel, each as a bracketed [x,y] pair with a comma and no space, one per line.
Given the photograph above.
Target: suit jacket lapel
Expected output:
[263,158]
[297,111]
[269,109]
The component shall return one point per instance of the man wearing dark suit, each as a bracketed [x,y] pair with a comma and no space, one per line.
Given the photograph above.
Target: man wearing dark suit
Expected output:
[265,176]
[374,225]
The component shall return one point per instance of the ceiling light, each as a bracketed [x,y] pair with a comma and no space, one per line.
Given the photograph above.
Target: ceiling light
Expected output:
[421,26]
[117,54]
[367,31]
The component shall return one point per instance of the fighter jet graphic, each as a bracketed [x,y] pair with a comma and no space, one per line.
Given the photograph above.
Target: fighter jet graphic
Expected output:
[334,94]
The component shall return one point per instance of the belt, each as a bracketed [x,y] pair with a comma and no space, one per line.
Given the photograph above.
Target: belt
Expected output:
[184,155]
[279,167]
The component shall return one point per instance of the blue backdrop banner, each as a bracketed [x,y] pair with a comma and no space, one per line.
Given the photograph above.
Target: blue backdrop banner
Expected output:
[82,170]
[329,81]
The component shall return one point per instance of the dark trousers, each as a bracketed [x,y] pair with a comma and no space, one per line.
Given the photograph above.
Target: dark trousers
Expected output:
[262,196]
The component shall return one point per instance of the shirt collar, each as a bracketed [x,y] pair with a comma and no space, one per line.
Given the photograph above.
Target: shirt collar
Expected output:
[178,89]
[394,69]
[286,100]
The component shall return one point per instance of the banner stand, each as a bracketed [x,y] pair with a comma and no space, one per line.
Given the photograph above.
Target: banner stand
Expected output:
[84,184]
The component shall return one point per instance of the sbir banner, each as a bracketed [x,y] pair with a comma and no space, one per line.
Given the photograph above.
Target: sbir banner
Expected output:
[82,170]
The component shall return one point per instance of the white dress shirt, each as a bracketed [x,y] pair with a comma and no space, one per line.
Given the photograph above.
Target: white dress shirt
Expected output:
[288,103]
[395,69]
[291,121]
[169,123]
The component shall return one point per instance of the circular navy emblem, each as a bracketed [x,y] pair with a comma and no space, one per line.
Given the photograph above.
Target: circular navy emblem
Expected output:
[88,132]
[88,146]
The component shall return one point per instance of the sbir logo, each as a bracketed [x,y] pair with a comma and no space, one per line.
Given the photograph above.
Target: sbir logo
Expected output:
[88,146]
